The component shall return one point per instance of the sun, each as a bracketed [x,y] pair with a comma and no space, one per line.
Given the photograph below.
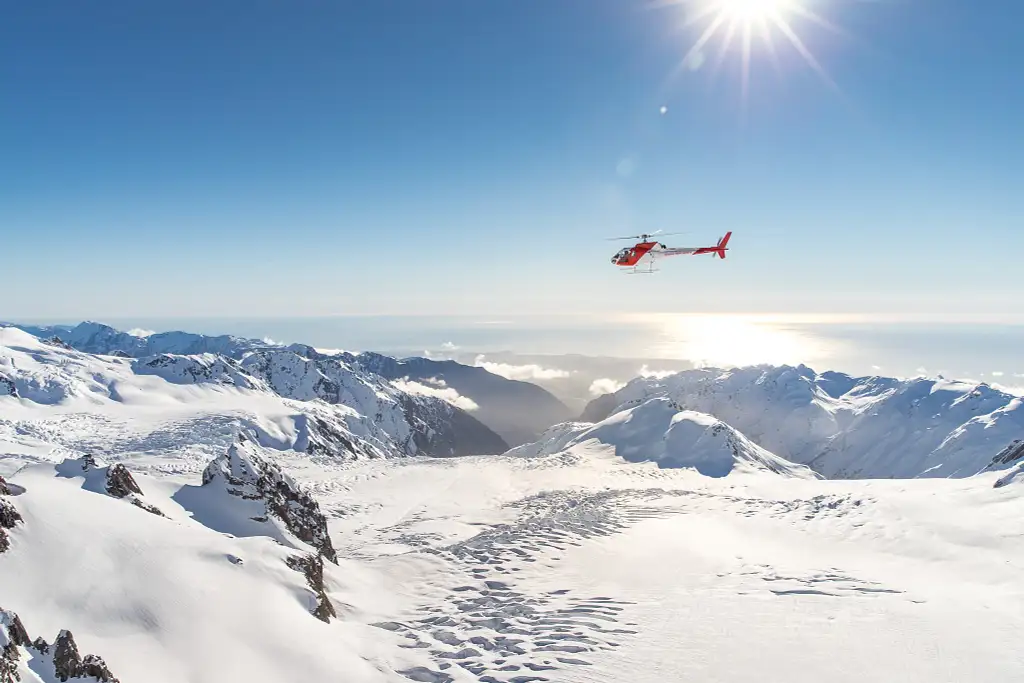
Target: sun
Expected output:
[752,10]
[763,20]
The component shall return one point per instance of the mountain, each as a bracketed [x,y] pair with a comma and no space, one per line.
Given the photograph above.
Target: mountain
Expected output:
[93,337]
[843,426]
[205,518]
[517,411]
[661,431]
[321,407]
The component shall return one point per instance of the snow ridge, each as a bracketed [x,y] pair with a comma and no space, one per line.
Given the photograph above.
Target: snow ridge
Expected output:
[247,475]
[660,430]
[843,426]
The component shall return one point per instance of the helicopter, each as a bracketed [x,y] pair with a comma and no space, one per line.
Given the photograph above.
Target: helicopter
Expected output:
[647,251]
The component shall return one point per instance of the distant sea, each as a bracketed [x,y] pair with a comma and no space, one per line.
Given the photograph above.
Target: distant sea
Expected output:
[987,352]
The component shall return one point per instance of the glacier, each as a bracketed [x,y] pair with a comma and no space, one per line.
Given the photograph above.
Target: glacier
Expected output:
[206,512]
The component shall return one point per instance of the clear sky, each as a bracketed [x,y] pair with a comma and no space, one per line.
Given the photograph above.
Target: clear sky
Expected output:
[258,157]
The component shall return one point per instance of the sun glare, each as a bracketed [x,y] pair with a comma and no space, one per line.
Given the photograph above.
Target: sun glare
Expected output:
[746,22]
[752,10]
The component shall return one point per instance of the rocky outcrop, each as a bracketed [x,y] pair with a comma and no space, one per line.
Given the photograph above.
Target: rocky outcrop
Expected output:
[12,637]
[7,387]
[114,480]
[5,490]
[120,482]
[9,518]
[251,477]
[312,567]
[199,369]
[66,661]
[58,342]
[68,664]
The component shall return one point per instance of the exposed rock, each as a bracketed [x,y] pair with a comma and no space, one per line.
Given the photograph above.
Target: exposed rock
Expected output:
[312,566]
[152,509]
[5,490]
[251,477]
[16,632]
[114,480]
[1010,454]
[9,517]
[120,354]
[120,482]
[94,666]
[7,387]
[58,342]
[67,663]
[12,634]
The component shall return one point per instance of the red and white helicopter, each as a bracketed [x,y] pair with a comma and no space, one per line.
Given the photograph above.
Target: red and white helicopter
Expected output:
[646,252]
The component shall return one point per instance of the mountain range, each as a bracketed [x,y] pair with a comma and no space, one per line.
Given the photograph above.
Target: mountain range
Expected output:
[220,509]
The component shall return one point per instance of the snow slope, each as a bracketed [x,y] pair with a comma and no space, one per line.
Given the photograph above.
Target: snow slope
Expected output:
[517,411]
[318,407]
[191,524]
[660,431]
[842,426]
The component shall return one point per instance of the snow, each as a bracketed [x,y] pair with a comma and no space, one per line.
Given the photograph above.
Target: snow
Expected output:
[660,431]
[664,541]
[842,426]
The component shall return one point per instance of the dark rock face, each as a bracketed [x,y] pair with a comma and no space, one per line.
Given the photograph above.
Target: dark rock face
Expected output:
[66,661]
[120,482]
[1010,454]
[9,517]
[251,477]
[312,566]
[442,430]
[7,387]
[5,490]
[58,342]
[94,666]
[518,412]
[16,632]
[68,664]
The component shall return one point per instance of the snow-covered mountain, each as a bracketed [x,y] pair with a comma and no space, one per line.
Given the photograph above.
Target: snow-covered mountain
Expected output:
[314,406]
[661,431]
[843,426]
[517,411]
[93,337]
[205,518]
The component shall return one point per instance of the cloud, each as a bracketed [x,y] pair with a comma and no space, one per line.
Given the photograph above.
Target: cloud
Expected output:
[438,389]
[602,386]
[646,372]
[271,342]
[139,332]
[997,374]
[520,372]
[449,346]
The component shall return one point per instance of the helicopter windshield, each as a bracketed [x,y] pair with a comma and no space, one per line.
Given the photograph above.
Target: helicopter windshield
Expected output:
[623,253]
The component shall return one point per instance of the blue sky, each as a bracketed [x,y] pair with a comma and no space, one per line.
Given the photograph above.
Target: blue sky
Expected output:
[249,157]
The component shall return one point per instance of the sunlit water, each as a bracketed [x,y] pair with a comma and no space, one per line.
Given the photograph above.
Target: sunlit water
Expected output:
[987,352]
